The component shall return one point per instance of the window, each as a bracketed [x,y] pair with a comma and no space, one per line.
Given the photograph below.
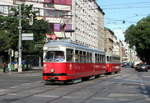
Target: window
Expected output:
[57,27]
[46,12]
[81,57]
[84,57]
[87,57]
[108,59]
[54,56]
[77,56]
[91,57]
[96,58]
[115,59]
[49,5]
[54,13]
[69,55]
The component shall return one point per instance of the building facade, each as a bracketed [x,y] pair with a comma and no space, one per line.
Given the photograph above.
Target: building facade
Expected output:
[87,16]
[116,46]
[130,54]
[109,41]
[81,21]
[101,33]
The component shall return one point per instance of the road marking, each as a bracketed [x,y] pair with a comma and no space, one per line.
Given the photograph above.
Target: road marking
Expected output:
[14,87]
[52,96]
[24,84]
[122,95]
[146,76]
[147,99]
[12,94]
[68,97]
[104,98]
[3,91]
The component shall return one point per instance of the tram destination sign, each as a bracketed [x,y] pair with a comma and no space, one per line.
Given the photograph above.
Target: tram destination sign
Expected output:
[27,36]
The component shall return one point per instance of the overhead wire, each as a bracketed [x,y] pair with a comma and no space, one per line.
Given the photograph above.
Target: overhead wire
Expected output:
[128,7]
[131,3]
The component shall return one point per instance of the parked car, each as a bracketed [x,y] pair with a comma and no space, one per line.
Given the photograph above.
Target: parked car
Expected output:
[142,67]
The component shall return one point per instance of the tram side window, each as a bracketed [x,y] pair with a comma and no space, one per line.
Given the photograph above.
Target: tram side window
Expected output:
[96,58]
[87,57]
[84,57]
[108,58]
[100,58]
[116,59]
[81,57]
[90,57]
[69,55]
[103,58]
[77,56]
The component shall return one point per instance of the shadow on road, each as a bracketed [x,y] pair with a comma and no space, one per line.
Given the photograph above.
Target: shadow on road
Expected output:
[145,90]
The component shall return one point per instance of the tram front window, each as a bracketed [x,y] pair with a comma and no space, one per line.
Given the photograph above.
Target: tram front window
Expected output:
[55,56]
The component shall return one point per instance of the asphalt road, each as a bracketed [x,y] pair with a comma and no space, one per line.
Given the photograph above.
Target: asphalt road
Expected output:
[129,86]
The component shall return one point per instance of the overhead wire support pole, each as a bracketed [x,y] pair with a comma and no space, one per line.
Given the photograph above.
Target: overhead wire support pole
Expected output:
[20,41]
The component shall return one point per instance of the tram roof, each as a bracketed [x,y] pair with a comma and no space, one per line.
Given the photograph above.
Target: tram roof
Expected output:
[72,45]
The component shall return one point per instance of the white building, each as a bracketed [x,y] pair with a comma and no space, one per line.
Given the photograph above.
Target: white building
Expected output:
[86,22]
[131,55]
[5,6]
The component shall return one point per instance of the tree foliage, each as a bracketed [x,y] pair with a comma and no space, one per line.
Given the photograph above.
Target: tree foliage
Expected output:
[138,37]
[9,30]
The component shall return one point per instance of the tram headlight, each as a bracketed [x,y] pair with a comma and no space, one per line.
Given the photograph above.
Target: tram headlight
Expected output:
[44,65]
[52,70]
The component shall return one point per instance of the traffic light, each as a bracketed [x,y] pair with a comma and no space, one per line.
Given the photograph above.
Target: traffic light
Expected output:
[30,19]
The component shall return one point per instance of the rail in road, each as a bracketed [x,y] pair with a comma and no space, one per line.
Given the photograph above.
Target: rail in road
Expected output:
[125,87]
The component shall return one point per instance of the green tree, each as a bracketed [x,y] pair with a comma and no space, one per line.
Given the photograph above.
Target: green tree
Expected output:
[138,37]
[9,30]
[5,40]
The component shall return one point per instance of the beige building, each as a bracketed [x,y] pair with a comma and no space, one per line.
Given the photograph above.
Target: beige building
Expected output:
[116,46]
[101,33]
[109,41]
[122,51]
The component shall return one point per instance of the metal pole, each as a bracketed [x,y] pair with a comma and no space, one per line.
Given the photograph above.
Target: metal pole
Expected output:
[20,41]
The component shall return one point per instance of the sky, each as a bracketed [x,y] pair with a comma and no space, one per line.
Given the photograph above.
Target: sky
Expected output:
[120,14]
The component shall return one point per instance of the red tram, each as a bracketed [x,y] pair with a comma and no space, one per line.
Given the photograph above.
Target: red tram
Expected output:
[112,64]
[65,61]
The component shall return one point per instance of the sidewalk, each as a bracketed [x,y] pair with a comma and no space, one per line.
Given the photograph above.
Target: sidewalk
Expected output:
[32,70]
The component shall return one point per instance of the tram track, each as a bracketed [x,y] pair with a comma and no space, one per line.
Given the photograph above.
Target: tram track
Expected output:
[81,88]
[50,88]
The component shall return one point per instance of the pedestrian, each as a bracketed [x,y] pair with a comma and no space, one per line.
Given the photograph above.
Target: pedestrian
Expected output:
[4,67]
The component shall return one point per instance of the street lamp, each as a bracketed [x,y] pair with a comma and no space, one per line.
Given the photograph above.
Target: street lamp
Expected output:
[20,41]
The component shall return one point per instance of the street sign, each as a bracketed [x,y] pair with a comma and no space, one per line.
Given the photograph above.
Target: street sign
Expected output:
[53,37]
[16,54]
[27,36]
